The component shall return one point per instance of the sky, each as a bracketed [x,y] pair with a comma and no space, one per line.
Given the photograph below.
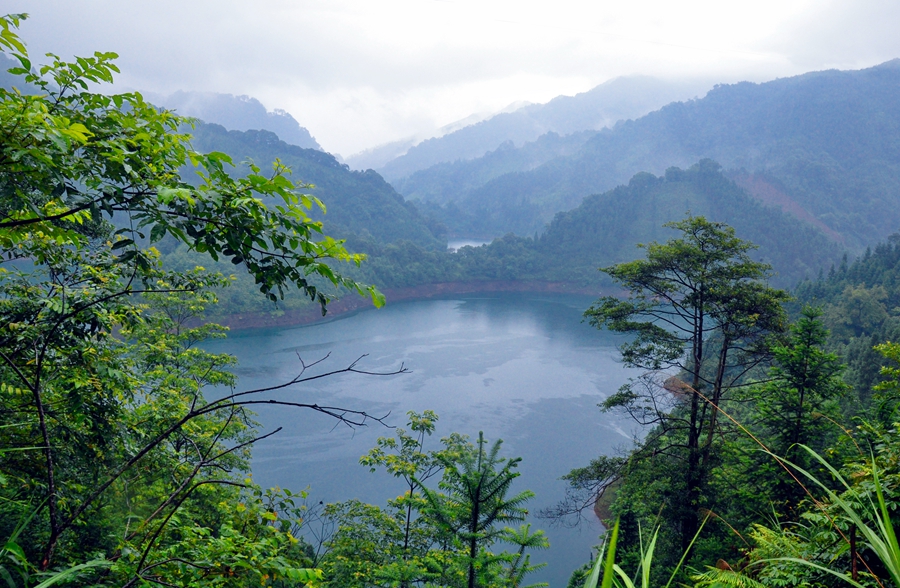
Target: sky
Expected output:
[360,73]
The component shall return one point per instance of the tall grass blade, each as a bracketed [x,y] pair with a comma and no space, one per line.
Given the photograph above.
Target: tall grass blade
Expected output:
[610,558]
[882,540]
[65,574]
[610,549]
[687,551]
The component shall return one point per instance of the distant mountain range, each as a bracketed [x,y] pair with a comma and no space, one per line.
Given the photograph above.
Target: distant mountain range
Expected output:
[377,157]
[617,99]
[810,167]
[824,146]
[236,113]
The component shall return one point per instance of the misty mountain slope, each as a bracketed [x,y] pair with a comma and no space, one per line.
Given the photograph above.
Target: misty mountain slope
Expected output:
[358,202]
[829,140]
[377,157]
[236,113]
[617,99]
[239,113]
[605,228]
[446,182]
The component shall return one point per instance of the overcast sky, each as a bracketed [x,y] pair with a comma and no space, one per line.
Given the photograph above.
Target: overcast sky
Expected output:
[362,73]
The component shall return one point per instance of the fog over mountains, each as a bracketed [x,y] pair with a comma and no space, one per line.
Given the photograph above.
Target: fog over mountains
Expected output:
[236,113]
[822,147]
[825,145]
[604,105]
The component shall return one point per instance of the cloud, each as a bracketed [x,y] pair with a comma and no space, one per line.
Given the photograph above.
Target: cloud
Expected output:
[840,35]
[359,73]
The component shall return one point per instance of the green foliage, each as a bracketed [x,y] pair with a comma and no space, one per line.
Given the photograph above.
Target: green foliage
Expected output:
[104,421]
[72,157]
[859,302]
[474,501]
[798,404]
[827,524]
[696,304]
[424,537]
[614,575]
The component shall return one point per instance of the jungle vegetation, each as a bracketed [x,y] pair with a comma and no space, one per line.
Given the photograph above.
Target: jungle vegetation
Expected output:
[771,452]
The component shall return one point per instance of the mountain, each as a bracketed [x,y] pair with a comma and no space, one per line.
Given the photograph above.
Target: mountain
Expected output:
[377,157]
[620,98]
[448,182]
[238,113]
[359,203]
[824,145]
[362,208]
[606,228]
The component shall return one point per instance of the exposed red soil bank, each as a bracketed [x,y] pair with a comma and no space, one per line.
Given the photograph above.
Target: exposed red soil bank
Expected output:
[759,188]
[350,302]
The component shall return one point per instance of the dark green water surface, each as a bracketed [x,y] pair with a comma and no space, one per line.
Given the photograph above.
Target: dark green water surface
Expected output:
[520,367]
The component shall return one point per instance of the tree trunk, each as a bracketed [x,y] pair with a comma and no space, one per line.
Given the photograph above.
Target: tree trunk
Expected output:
[689,521]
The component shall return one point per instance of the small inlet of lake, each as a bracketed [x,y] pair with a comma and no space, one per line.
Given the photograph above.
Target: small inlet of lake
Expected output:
[453,245]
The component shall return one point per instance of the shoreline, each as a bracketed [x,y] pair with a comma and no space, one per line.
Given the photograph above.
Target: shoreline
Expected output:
[352,302]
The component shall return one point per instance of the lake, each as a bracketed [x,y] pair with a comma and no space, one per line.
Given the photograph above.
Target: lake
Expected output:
[520,367]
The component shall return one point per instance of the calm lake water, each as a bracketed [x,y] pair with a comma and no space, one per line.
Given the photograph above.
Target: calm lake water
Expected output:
[520,367]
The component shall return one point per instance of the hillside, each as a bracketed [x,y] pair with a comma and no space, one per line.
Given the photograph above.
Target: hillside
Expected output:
[448,182]
[605,228]
[361,207]
[602,106]
[829,142]
[358,202]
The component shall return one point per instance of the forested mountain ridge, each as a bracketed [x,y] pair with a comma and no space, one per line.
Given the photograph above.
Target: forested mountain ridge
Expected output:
[604,230]
[829,140]
[618,99]
[445,182]
[358,203]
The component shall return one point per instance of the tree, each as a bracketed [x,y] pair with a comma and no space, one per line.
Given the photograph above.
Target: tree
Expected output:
[100,374]
[423,537]
[404,456]
[474,502]
[697,304]
[70,157]
[805,383]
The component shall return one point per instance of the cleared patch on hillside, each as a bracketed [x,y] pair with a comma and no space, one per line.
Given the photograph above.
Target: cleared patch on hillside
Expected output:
[765,192]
